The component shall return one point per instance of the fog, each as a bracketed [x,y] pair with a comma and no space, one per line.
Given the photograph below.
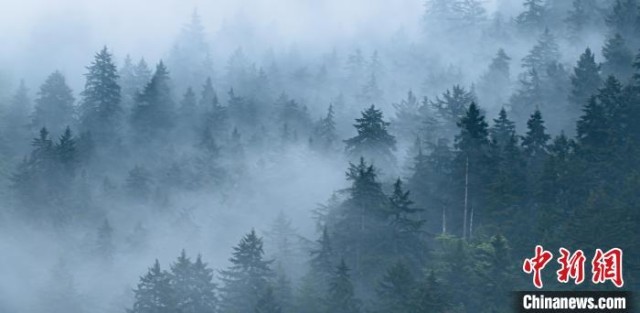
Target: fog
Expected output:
[111,163]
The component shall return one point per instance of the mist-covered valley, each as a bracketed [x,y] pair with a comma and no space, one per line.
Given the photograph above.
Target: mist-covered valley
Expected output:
[300,156]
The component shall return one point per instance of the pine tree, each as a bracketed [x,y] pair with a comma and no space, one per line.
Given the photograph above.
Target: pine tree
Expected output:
[154,293]
[190,57]
[544,53]
[584,16]
[153,113]
[322,258]
[104,242]
[138,184]
[100,110]
[401,210]
[494,84]
[472,162]
[585,80]
[192,284]
[247,278]
[429,296]
[54,104]
[618,58]
[453,105]
[341,295]
[536,139]
[534,16]
[268,303]
[325,136]
[15,121]
[395,290]
[623,20]
[503,130]
[373,141]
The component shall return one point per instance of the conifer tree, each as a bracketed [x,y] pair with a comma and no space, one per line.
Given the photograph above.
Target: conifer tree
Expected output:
[618,58]
[138,183]
[533,17]
[325,136]
[104,242]
[373,141]
[153,113]
[453,105]
[341,295]
[54,104]
[15,120]
[247,277]
[267,302]
[100,110]
[494,83]
[585,80]
[395,290]
[584,16]
[154,293]
[622,19]
[544,53]
[192,284]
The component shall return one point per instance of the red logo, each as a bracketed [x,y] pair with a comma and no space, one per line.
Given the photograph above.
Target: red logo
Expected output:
[604,266]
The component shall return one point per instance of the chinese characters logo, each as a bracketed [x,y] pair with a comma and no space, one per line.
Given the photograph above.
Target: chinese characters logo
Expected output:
[605,266]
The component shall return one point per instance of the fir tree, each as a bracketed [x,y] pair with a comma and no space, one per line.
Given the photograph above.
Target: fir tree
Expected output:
[247,278]
[100,109]
[54,104]
[104,242]
[154,293]
[536,138]
[138,184]
[584,16]
[325,136]
[153,112]
[192,284]
[267,302]
[341,295]
[453,105]
[533,17]
[585,80]
[618,58]
[623,20]
[496,80]
[544,53]
[395,290]
[373,141]
[15,120]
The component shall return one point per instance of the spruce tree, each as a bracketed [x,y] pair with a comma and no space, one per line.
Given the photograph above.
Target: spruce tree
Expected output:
[192,284]
[153,113]
[494,83]
[618,58]
[453,105]
[544,53]
[154,293]
[533,17]
[395,290]
[585,80]
[100,110]
[267,303]
[584,16]
[535,141]
[341,294]
[325,136]
[15,121]
[54,105]
[373,140]
[247,277]
[623,20]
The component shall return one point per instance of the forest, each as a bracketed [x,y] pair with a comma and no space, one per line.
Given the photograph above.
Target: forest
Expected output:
[412,172]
